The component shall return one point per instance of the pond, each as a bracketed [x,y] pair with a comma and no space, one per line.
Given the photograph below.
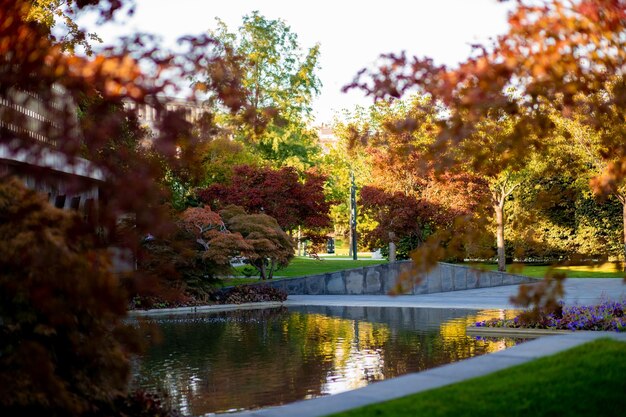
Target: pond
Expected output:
[230,361]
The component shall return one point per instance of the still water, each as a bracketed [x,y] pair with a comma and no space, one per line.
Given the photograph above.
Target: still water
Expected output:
[241,360]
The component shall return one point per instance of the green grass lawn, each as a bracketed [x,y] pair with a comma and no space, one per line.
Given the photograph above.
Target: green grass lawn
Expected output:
[604,270]
[306,266]
[585,381]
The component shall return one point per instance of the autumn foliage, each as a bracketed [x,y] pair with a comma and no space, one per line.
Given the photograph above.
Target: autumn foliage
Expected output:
[557,57]
[62,346]
[219,244]
[270,248]
[278,193]
[37,72]
[397,215]
[474,130]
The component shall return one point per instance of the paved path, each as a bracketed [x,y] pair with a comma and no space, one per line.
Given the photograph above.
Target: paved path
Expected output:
[579,291]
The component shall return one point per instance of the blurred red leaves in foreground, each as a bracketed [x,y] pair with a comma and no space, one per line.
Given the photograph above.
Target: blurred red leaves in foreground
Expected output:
[63,348]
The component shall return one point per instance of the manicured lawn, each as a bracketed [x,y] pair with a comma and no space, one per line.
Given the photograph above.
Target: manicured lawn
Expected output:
[584,381]
[307,266]
[605,270]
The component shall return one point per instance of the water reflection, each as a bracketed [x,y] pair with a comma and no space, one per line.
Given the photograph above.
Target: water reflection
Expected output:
[250,359]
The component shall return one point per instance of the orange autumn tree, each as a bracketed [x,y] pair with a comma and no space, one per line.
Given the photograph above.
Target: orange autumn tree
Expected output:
[270,248]
[555,55]
[397,135]
[218,243]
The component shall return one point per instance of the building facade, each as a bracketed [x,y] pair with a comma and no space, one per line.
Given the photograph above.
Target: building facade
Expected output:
[24,116]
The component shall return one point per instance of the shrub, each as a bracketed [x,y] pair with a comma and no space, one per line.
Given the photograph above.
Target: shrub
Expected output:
[249,294]
[142,404]
[63,347]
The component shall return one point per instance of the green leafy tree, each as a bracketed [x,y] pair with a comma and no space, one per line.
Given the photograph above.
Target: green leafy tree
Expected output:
[485,153]
[555,216]
[592,145]
[280,83]
[339,165]
[220,156]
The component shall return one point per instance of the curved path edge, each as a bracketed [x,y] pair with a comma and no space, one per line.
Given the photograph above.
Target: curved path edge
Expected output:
[204,309]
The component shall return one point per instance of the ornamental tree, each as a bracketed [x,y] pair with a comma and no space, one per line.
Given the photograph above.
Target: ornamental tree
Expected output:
[218,243]
[63,344]
[190,258]
[270,247]
[399,218]
[278,193]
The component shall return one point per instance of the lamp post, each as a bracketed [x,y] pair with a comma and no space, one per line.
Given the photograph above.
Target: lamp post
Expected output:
[353,216]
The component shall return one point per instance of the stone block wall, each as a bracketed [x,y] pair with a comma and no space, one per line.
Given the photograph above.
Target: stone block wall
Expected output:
[381,279]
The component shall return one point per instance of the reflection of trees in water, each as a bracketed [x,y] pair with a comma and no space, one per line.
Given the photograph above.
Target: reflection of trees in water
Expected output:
[215,362]
[256,358]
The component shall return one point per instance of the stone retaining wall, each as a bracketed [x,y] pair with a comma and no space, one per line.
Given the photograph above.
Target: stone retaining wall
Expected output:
[381,279]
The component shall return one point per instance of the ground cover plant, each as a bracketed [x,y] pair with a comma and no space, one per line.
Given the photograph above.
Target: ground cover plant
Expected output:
[609,315]
[550,386]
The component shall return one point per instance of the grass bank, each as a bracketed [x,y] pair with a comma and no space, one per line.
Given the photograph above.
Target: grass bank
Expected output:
[585,381]
[604,270]
[306,266]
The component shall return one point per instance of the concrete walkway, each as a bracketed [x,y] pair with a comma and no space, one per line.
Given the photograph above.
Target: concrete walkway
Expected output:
[578,291]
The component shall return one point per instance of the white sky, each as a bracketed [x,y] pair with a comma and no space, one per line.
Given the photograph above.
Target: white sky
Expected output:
[352,33]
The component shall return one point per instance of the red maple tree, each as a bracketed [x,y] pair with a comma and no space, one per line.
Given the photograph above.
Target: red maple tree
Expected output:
[278,193]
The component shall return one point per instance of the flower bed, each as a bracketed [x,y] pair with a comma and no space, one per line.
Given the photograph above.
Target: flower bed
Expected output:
[609,315]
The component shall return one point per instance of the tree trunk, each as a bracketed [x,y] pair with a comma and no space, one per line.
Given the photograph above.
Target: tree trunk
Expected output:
[203,243]
[392,247]
[299,241]
[499,210]
[350,245]
[262,270]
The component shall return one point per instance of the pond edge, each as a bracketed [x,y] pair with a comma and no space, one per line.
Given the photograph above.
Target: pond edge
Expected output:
[515,332]
[205,309]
